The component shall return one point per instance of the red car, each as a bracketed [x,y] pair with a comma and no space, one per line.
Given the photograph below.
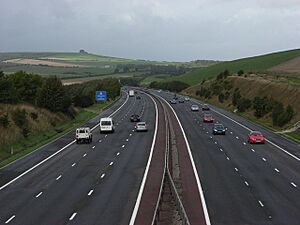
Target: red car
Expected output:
[256,137]
[207,118]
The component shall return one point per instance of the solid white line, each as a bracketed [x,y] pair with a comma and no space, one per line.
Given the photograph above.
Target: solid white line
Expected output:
[91,192]
[292,183]
[73,164]
[57,178]
[139,197]
[73,216]
[54,154]
[261,204]
[111,163]
[103,175]
[205,210]
[10,219]
[277,170]
[39,194]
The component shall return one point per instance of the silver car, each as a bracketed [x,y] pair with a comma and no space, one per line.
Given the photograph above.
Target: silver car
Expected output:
[141,126]
[195,108]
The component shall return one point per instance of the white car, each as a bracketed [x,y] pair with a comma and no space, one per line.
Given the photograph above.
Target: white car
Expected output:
[107,125]
[186,98]
[141,126]
[195,108]
[83,134]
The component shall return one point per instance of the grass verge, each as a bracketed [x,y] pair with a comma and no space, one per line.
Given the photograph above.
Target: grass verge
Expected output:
[37,140]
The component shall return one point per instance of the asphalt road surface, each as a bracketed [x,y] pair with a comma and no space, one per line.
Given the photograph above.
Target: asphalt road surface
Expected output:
[243,184]
[95,183]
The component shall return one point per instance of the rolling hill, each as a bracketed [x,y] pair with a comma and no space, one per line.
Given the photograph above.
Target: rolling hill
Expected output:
[262,63]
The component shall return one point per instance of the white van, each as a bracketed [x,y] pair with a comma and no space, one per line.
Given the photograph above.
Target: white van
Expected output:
[83,134]
[107,125]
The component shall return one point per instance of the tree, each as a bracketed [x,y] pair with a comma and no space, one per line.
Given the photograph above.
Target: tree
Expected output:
[221,97]
[7,90]
[243,104]
[240,72]
[52,96]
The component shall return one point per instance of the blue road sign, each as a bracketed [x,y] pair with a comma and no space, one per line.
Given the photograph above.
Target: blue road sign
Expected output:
[101,96]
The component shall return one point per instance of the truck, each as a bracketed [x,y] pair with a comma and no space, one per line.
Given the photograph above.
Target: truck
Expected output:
[83,134]
[131,93]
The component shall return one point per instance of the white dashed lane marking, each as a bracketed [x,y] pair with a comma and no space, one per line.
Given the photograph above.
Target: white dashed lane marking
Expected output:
[247,184]
[123,146]
[295,185]
[39,194]
[90,192]
[111,163]
[10,219]
[103,175]
[74,164]
[264,159]
[73,216]
[236,169]
[277,170]
[84,155]
[261,204]
[252,150]
[94,146]
[118,153]
[57,178]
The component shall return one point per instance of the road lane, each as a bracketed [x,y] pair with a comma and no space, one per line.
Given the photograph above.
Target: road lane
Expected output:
[241,185]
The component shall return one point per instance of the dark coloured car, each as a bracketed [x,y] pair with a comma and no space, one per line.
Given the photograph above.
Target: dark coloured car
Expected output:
[218,129]
[135,118]
[138,97]
[181,100]
[205,107]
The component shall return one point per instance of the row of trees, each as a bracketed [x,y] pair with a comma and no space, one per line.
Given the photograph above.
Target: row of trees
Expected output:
[174,86]
[50,93]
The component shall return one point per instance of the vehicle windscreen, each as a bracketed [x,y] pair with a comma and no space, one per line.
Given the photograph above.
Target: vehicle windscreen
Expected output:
[105,123]
[256,134]
[81,131]
[219,127]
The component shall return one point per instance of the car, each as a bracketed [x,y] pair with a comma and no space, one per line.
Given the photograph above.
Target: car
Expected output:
[175,97]
[138,97]
[207,118]
[218,128]
[135,118]
[83,134]
[173,101]
[107,125]
[181,100]
[256,137]
[141,126]
[195,108]
[205,107]
[186,98]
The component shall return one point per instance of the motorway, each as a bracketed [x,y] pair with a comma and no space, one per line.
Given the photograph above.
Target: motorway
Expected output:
[103,182]
[83,184]
[243,183]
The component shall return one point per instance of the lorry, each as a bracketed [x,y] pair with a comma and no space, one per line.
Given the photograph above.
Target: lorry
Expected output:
[83,134]
[131,93]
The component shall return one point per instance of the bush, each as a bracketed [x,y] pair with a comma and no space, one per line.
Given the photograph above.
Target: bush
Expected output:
[236,96]
[34,115]
[4,121]
[240,72]
[83,101]
[174,86]
[280,116]
[19,117]
[262,106]
[221,97]
[25,131]
[243,104]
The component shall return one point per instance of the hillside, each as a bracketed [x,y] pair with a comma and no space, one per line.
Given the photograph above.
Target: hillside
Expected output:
[252,64]
[277,89]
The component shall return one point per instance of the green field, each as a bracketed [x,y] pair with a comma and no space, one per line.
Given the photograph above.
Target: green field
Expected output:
[156,77]
[252,64]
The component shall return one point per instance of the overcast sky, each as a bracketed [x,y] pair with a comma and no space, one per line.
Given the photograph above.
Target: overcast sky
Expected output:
[173,30]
